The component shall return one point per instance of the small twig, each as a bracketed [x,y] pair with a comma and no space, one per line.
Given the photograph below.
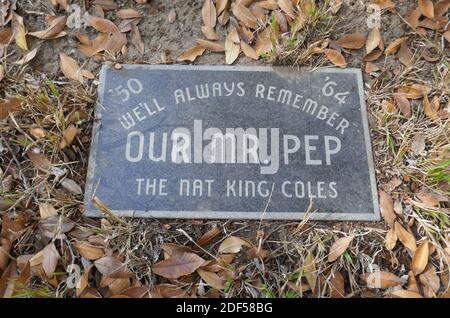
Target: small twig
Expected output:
[195,243]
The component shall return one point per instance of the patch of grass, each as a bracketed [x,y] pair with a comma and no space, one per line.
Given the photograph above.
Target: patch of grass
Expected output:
[440,172]
[267,291]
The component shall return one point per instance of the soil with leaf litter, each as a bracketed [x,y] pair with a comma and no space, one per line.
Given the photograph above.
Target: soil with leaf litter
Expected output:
[49,77]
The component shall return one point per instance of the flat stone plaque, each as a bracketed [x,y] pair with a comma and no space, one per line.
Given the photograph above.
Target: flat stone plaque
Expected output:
[232,142]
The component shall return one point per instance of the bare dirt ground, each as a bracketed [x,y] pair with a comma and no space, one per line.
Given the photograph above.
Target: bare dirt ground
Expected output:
[50,249]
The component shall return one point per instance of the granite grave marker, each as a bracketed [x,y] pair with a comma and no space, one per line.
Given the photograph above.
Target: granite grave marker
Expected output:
[231,142]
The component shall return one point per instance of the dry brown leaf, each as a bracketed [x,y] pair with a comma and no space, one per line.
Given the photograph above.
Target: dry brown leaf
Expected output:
[426,8]
[391,239]
[208,236]
[224,17]
[55,28]
[420,258]
[430,24]
[232,47]
[428,199]
[264,44]
[372,56]
[441,8]
[212,279]
[5,248]
[27,57]
[192,53]
[309,269]
[413,18]
[111,267]
[180,264]
[115,42]
[415,91]
[87,74]
[244,15]
[269,4]
[373,40]
[209,33]
[412,282]
[9,105]
[387,208]
[371,67]
[249,51]
[402,293]
[404,105]
[19,32]
[382,279]
[61,3]
[136,39]
[418,143]
[83,38]
[384,4]
[168,291]
[129,14]
[6,36]
[255,252]
[89,251]
[209,14]
[405,55]
[245,34]
[429,110]
[71,186]
[83,282]
[259,12]
[211,46]
[337,286]
[435,103]
[352,41]
[39,160]
[405,237]
[46,210]
[394,46]
[99,11]
[389,105]
[221,5]
[70,68]
[68,136]
[54,225]
[287,7]
[117,285]
[232,244]
[339,247]
[430,281]
[37,259]
[446,35]
[335,57]
[335,6]
[125,25]
[50,259]
[102,25]
[171,249]
[2,72]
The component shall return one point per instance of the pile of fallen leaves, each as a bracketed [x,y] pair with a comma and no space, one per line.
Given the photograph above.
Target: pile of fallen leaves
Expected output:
[256,27]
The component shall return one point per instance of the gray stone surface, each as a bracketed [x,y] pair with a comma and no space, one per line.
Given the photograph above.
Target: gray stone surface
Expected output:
[232,142]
